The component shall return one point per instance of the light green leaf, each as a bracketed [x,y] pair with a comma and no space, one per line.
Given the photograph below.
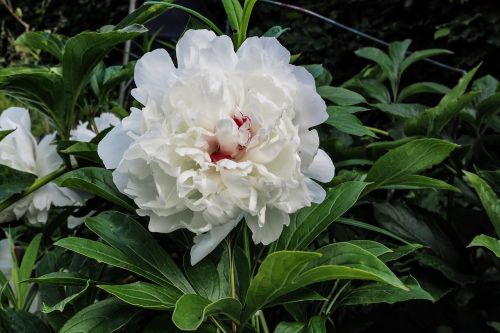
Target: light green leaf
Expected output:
[347,261]
[489,199]
[275,278]
[275,31]
[376,90]
[400,252]
[192,310]
[420,55]
[347,123]
[145,13]
[62,279]
[379,57]
[234,13]
[383,293]
[45,41]
[410,158]
[109,315]
[128,236]
[145,295]
[26,267]
[422,88]
[316,324]
[371,246]
[397,51]
[401,110]
[488,242]
[391,144]
[108,255]
[98,181]
[84,150]
[285,327]
[340,96]
[39,88]
[416,182]
[83,52]
[310,222]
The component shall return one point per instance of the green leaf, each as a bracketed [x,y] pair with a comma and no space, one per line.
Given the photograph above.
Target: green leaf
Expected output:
[432,121]
[145,295]
[383,293]
[68,300]
[376,90]
[410,158]
[340,96]
[12,321]
[401,110]
[315,69]
[489,106]
[348,261]
[4,133]
[192,310]
[84,150]
[109,315]
[276,277]
[13,182]
[316,324]
[108,255]
[488,242]
[310,222]
[400,252]
[128,236]
[61,279]
[445,268]
[417,182]
[275,31]
[420,55]
[98,181]
[234,13]
[285,327]
[489,199]
[391,144]
[397,51]
[83,52]
[45,41]
[26,268]
[39,88]
[371,246]
[366,226]
[379,57]
[442,32]
[204,278]
[422,88]
[300,295]
[144,14]
[347,123]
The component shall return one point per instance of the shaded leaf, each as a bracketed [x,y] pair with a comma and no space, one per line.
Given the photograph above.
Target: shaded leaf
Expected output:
[145,295]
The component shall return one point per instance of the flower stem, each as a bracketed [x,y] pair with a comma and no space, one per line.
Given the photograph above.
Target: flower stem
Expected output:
[32,188]
[263,322]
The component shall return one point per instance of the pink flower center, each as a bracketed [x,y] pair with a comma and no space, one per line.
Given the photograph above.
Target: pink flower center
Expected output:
[244,123]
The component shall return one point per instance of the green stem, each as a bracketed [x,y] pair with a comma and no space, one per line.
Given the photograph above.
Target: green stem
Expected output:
[334,300]
[219,325]
[263,321]
[247,12]
[376,130]
[32,188]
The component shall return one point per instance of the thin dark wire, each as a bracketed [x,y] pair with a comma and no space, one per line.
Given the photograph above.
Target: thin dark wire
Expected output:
[357,32]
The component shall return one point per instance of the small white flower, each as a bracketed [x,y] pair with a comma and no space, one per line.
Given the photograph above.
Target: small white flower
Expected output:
[85,134]
[224,136]
[19,150]
[5,258]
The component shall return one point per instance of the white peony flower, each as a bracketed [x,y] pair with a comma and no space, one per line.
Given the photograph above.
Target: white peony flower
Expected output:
[85,134]
[224,136]
[19,150]
[5,258]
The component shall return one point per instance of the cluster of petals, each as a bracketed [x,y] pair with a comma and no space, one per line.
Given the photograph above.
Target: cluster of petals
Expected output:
[20,150]
[221,137]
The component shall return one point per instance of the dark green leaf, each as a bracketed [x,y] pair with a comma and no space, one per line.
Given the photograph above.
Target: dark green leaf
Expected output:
[376,90]
[13,181]
[347,123]
[422,88]
[44,41]
[84,150]
[420,55]
[310,222]
[340,96]
[416,182]
[145,295]
[62,279]
[98,181]
[68,300]
[145,13]
[275,31]
[316,324]
[4,133]
[488,242]
[401,110]
[12,321]
[109,315]
[379,57]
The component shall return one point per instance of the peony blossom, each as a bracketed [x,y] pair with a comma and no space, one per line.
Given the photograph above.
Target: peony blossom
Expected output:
[83,133]
[222,137]
[19,150]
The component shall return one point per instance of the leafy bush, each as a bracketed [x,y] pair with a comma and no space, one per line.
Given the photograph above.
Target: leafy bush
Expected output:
[406,237]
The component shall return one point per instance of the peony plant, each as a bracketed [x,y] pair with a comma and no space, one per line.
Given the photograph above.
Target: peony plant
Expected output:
[223,142]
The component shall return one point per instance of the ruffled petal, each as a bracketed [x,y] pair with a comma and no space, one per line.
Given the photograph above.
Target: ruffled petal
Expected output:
[113,146]
[271,229]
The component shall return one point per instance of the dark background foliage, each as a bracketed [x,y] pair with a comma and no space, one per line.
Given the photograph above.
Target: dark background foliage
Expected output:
[470,28]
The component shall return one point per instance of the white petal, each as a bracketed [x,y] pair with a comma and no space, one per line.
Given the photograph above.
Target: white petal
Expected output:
[316,193]
[205,243]
[271,230]
[321,168]
[309,143]
[14,117]
[310,108]
[113,146]
[262,52]
[152,75]
[82,133]
[105,120]
[47,158]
